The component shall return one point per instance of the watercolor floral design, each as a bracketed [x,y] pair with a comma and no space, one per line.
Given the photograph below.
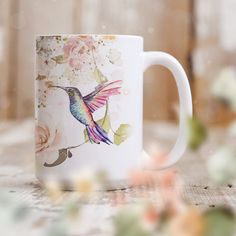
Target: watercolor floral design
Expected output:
[79,55]
[77,49]
[48,136]
[43,138]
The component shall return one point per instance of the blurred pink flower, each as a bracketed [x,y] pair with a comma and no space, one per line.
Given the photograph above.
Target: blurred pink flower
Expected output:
[166,182]
[150,217]
[170,190]
[140,177]
[150,177]
[158,159]
[77,50]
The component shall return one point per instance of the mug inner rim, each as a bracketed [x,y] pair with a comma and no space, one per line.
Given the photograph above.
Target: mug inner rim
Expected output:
[102,35]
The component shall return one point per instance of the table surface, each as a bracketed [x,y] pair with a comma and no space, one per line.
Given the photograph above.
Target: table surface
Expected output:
[17,173]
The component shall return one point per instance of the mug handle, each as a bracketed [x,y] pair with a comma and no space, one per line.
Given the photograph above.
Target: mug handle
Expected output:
[168,61]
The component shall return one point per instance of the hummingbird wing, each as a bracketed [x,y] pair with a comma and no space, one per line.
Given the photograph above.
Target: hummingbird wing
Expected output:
[101,94]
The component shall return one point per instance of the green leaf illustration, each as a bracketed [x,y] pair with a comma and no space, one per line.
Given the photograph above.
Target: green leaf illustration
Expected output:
[86,135]
[197,133]
[122,133]
[59,59]
[219,221]
[99,76]
[104,123]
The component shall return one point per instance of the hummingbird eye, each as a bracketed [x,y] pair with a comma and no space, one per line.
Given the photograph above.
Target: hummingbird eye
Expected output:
[71,92]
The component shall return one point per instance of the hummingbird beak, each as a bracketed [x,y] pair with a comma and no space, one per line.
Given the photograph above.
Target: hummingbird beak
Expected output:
[52,86]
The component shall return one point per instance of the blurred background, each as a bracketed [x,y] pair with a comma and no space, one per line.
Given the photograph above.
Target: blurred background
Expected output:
[201,34]
[198,33]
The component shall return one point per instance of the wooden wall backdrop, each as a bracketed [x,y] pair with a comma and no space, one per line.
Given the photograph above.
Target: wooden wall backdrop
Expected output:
[36,17]
[166,25]
[214,49]
[21,21]
[4,58]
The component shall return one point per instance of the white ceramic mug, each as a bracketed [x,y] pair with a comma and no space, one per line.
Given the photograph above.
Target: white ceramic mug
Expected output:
[89,105]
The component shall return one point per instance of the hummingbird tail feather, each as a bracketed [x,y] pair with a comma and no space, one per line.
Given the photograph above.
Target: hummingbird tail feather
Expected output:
[97,134]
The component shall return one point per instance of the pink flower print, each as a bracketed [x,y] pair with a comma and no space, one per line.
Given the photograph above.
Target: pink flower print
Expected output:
[89,42]
[77,50]
[70,45]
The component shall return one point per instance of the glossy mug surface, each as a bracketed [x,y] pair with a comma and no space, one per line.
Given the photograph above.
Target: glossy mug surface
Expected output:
[89,105]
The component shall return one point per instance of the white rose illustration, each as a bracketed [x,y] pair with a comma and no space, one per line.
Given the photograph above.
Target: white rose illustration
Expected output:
[49,136]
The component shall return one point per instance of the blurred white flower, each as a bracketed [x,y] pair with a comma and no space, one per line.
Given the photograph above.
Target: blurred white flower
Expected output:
[16,216]
[53,189]
[86,182]
[222,165]
[225,86]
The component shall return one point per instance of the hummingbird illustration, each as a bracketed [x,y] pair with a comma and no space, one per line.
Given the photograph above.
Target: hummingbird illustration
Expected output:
[82,107]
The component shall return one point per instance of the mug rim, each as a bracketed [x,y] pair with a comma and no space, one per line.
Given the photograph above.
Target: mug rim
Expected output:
[102,35]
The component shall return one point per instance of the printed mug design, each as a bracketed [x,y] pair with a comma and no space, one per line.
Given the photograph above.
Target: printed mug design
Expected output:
[73,58]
